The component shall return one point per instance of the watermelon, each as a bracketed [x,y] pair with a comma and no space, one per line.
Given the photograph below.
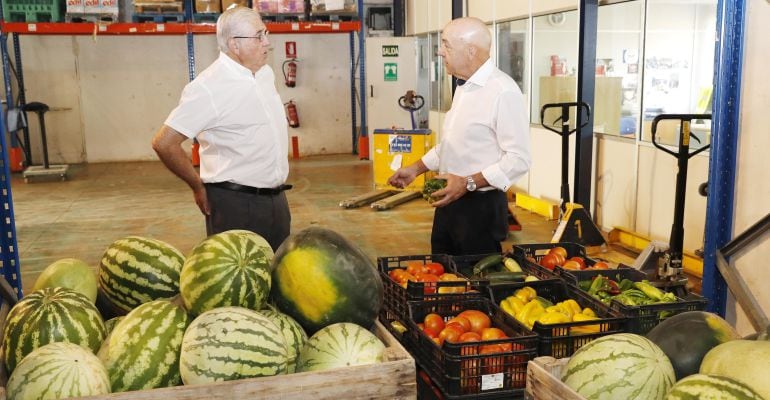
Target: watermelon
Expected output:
[51,315]
[135,270]
[709,387]
[110,323]
[231,343]
[746,361]
[143,350]
[293,334]
[688,336]
[56,371]
[620,366]
[320,278]
[340,345]
[69,273]
[227,269]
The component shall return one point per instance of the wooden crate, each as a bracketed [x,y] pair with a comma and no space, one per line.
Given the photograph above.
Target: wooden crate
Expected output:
[393,378]
[544,380]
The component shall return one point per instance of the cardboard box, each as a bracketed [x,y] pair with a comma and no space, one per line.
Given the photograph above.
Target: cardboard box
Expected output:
[76,6]
[207,6]
[227,3]
[280,6]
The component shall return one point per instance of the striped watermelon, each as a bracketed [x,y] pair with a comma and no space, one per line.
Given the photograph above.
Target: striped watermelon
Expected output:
[227,269]
[111,323]
[340,345]
[711,387]
[51,315]
[620,366]
[293,334]
[135,270]
[70,273]
[143,350]
[56,371]
[231,343]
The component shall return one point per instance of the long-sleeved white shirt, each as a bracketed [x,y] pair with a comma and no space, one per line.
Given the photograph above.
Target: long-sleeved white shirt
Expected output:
[486,130]
[239,121]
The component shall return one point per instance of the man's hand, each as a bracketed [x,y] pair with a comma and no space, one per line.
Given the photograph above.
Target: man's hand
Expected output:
[202,200]
[455,188]
[402,178]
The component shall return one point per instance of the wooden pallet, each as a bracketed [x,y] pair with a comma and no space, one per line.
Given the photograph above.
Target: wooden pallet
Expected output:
[394,378]
[159,7]
[544,380]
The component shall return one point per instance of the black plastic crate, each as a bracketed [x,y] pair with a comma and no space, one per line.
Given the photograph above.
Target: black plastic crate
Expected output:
[464,265]
[644,318]
[467,370]
[562,340]
[397,296]
[616,274]
[388,318]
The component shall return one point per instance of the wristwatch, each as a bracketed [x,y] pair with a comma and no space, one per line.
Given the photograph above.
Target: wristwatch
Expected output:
[470,184]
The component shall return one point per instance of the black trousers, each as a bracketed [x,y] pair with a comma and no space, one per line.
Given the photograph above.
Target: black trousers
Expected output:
[474,224]
[266,215]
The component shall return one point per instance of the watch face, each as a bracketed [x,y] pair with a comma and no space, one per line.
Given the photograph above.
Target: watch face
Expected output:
[470,185]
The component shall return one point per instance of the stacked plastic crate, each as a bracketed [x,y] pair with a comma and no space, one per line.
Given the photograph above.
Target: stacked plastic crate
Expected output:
[33,10]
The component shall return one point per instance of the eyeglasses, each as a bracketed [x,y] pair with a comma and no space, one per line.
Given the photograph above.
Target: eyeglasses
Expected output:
[263,34]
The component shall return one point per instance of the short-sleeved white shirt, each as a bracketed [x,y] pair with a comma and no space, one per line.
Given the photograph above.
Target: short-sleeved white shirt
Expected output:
[486,130]
[240,123]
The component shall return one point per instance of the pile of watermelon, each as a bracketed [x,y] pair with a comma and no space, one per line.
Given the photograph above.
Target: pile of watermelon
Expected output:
[231,309]
[692,355]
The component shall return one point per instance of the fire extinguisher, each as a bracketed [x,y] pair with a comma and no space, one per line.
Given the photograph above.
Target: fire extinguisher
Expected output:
[290,65]
[291,114]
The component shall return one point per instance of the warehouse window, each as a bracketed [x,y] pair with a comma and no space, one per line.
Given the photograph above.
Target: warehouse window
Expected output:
[617,94]
[513,51]
[678,64]
[554,62]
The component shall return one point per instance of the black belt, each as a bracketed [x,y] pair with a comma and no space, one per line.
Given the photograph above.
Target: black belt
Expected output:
[249,189]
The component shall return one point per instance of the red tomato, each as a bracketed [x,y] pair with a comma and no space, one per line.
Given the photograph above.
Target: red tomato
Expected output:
[493,334]
[478,319]
[434,268]
[415,267]
[580,261]
[600,265]
[549,261]
[397,274]
[450,334]
[560,251]
[429,282]
[431,333]
[571,265]
[470,337]
[434,321]
[462,321]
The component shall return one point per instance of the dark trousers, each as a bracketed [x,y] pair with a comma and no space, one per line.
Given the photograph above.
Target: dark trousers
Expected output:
[266,215]
[474,224]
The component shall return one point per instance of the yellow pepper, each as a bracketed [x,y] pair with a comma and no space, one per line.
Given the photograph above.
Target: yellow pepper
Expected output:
[515,303]
[554,317]
[589,312]
[587,328]
[525,294]
[506,306]
[573,305]
[529,313]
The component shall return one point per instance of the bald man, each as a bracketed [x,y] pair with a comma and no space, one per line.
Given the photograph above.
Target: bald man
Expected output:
[484,147]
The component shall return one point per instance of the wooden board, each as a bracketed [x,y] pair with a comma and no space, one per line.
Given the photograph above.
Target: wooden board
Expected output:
[544,380]
[394,378]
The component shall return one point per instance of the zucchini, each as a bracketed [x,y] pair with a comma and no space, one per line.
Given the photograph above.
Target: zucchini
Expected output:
[486,263]
[505,276]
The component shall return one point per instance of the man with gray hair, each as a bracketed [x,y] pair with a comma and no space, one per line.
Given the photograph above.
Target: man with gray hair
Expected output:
[484,146]
[234,111]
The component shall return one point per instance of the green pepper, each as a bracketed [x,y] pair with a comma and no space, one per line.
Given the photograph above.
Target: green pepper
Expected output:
[651,291]
[626,284]
[432,185]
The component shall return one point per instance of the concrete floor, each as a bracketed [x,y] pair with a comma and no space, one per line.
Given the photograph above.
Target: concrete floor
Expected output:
[101,203]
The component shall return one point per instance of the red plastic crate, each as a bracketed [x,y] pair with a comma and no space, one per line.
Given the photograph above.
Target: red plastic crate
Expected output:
[463,370]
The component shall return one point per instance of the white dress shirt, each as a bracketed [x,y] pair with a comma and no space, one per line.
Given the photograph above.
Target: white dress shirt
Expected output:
[486,130]
[240,123]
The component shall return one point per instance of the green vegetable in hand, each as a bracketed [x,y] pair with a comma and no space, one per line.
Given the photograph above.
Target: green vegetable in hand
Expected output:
[432,185]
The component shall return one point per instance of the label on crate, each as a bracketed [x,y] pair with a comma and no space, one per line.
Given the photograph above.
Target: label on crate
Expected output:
[91,6]
[492,381]
[399,143]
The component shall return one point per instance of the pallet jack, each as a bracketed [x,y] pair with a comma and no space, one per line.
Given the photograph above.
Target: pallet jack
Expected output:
[660,260]
[575,224]
[386,199]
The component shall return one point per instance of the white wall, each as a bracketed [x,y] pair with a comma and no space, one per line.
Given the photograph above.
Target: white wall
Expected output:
[752,184]
[116,91]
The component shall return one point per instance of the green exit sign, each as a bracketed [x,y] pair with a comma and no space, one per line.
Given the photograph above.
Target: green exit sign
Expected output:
[390,50]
